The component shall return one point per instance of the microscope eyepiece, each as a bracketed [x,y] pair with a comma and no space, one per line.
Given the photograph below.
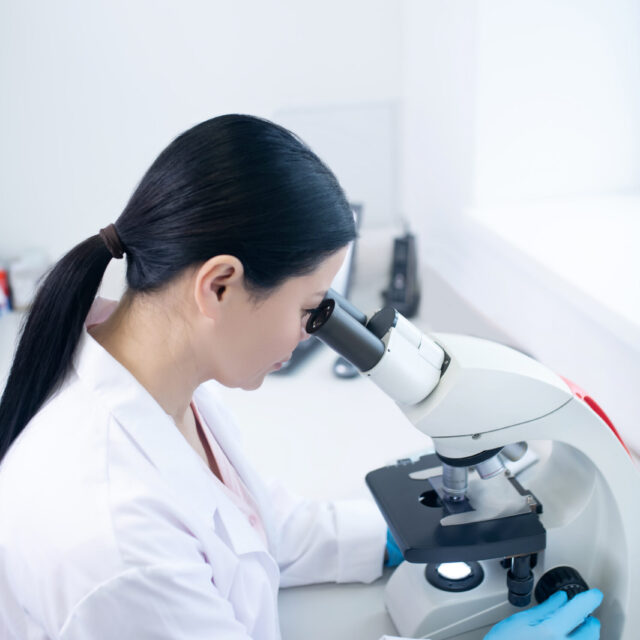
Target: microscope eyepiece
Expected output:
[338,328]
[321,314]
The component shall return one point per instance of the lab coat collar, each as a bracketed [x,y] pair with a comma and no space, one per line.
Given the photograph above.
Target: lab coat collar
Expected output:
[155,432]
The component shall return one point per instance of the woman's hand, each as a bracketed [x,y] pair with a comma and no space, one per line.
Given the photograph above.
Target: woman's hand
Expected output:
[554,619]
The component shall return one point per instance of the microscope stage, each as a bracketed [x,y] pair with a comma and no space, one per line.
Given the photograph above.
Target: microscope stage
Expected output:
[430,529]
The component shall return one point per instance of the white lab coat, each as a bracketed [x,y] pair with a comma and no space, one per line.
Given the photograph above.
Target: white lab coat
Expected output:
[112,527]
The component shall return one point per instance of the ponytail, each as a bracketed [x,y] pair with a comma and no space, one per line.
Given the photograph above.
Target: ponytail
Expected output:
[50,334]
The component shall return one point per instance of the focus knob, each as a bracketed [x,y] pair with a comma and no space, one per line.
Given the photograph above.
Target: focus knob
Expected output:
[560,578]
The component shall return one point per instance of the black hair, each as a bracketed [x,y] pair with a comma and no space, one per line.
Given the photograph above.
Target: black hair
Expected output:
[234,184]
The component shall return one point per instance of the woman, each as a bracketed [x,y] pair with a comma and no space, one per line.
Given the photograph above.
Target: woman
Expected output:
[127,509]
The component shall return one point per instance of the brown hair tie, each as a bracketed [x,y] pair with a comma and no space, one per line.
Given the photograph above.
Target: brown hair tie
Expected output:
[110,236]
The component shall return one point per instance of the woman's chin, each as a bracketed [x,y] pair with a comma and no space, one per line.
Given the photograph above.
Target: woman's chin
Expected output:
[252,385]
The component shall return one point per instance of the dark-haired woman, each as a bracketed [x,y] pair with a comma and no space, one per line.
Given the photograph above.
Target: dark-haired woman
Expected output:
[127,509]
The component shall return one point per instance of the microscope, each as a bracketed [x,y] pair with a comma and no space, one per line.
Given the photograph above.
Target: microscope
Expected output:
[530,488]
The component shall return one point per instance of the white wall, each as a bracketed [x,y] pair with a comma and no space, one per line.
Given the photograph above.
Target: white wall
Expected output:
[508,101]
[438,109]
[92,91]
[557,95]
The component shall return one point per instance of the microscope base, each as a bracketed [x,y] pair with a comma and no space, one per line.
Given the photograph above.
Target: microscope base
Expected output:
[420,610]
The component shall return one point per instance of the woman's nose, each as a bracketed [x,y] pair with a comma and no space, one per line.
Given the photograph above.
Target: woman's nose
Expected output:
[303,334]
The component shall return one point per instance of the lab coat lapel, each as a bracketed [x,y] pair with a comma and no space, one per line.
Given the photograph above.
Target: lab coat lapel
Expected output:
[156,434]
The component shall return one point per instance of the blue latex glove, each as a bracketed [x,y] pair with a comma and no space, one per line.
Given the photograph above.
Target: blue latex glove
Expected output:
[554,619]
[394,555]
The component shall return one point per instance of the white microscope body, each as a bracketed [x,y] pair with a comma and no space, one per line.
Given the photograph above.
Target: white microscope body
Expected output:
[577,481]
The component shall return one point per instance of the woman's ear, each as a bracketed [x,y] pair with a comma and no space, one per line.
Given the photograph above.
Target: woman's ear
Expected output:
[215,281]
